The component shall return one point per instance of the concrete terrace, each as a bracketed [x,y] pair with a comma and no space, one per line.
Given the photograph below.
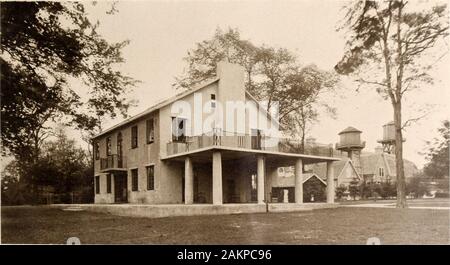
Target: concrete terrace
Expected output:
[166,210]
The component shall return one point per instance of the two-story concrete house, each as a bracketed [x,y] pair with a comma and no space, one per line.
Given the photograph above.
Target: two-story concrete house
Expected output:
[185,150]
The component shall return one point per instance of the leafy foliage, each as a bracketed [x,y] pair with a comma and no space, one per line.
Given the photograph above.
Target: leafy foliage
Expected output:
[437,156]
[387,190]
[44,46]
[354,189]
[61,166]
[340,191]
[416,187]
[12,190]
[222,46]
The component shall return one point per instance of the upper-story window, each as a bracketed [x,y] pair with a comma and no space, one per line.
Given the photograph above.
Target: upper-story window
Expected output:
[134,136]
[213,100]
[108,146]
[150,131]
[97,150]
[178,129]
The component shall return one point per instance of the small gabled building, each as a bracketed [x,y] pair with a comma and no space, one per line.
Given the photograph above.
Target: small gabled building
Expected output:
[380,167]
[344,172]
[283,186]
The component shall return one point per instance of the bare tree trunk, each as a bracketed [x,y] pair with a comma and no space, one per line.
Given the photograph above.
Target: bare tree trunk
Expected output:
[302,141]
[401,185]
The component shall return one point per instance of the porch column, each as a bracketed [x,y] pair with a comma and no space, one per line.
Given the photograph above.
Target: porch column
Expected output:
[330,182]
[260,178]
[217,177]
[188,181]
[299,181]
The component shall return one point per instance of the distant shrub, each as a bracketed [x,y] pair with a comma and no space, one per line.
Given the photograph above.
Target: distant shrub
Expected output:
[442,195]
[340,191]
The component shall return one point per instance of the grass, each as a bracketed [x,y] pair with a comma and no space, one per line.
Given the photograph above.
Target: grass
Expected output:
[416,202]
[44,225]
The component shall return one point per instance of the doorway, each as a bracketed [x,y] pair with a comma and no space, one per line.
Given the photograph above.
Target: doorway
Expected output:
[256,139]
[120,188]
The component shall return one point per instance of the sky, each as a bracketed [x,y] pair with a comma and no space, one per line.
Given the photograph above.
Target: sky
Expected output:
[161,33]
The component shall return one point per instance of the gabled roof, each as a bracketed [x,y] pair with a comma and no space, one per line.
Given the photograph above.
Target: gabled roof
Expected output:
[161,104]
[349,129]
[321,169]
[178,96]
[338,166]
[369,163]
[307,176]
[348,164]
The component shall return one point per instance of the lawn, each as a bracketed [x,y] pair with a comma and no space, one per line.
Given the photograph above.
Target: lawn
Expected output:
[438,202]
[327,226]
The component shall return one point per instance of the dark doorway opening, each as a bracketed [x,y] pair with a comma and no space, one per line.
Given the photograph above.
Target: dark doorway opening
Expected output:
[120,188]
[256,139]
[278,194]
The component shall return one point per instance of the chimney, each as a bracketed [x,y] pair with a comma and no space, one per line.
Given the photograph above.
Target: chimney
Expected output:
[231,86]
[231,82]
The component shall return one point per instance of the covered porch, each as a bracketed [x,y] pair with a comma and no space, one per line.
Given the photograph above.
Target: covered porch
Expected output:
[223,175]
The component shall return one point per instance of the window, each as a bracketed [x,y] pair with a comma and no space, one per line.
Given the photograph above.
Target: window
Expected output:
[150,177]
[134,136]
[97,150]
[108,183]
[108,146]
[150,131]
[381,172]
[178,129]
[213,100]
[134,179]
[97,184]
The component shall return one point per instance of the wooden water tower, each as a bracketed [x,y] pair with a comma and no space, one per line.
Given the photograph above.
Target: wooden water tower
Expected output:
[388,141]
[350,142]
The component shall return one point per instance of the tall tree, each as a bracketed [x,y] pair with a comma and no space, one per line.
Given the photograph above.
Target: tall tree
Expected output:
[272,74]
[438,154]
[389,46]
[70,161]
[278,74]
[307,86]
[44,46]
[61,165]
[228,46]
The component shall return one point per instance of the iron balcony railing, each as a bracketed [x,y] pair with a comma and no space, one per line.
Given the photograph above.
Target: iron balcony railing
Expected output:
[112,162]
[244,141]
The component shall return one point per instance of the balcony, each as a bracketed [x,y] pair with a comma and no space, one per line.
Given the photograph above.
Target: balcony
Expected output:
[265,143]
[113,163]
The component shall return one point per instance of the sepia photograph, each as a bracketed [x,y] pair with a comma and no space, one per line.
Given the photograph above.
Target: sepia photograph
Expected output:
[225,123]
